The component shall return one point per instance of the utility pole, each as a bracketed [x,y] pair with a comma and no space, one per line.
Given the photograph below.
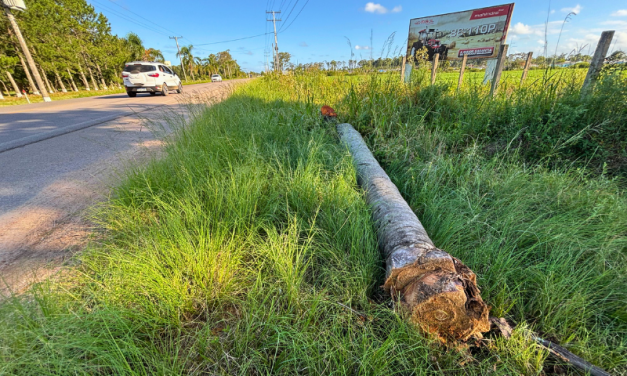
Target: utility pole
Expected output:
[371,45]
[27,54]
[180,57]
[276,44]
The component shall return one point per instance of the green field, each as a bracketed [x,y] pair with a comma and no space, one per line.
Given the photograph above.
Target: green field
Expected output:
[248,249]
[509,78]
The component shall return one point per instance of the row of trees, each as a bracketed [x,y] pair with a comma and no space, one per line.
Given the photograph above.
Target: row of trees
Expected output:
[514,61]
[74,49]
[71,44]
[202,68]
[334,65]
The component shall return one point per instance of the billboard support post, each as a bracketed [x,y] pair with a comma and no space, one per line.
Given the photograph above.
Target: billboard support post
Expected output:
[461,72]
[408,69]
[500,62]
[527,64]
[597,60]
[436,57]
[403,69]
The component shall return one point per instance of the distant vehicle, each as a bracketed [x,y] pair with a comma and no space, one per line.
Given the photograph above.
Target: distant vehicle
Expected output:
[150,77]
[216,78]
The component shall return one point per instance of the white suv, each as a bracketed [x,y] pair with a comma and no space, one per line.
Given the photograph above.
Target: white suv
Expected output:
[216,78]
[150,77]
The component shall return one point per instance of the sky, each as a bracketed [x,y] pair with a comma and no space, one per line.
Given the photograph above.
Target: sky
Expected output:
[325,30]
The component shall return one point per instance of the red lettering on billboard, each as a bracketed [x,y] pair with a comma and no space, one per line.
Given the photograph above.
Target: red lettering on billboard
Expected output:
[484,51]
[424,22]
[490,12]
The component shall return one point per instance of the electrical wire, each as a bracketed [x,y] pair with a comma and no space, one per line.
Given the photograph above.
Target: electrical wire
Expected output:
[152,22]
[288,15]
[129,19]
[301,9]
[233,40]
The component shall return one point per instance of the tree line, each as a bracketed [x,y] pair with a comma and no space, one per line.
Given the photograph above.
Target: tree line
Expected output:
[74,49]
[514,61]
[202,68]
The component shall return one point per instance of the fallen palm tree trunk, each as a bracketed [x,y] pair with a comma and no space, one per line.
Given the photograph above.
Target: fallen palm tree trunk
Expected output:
[438,290]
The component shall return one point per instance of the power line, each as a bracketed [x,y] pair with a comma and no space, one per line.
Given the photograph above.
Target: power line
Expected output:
[180,56]
[148,27]
[130,20]
[152,22]
[266,51]
[233,40]
[301,9]
[290,13]
[276,43]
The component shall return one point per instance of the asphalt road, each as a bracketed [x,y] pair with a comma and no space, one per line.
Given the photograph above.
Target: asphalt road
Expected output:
[29,122]
[69,135]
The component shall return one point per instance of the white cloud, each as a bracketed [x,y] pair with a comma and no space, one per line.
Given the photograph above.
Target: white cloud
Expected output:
[521,29]
[358,47]
[380,9]
[588,39]
[619,23]
[576,9]
[303,44]
[619,13]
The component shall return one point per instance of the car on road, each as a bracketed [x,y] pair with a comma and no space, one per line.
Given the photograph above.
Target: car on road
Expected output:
[216,78]
[150,77]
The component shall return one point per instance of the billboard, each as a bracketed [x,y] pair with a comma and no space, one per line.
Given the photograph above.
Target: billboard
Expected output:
[476,33]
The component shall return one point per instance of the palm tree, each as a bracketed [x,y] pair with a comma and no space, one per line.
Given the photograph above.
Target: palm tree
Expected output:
[212,61]
[135,46]
[187,56]
[153,55]
[199,65]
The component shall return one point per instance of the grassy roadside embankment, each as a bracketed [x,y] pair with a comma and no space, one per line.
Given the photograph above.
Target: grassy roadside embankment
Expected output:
[242,250]
[231,255]
[506,184]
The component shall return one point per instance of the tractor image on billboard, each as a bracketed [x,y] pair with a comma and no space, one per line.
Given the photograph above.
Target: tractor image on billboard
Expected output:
[429,39]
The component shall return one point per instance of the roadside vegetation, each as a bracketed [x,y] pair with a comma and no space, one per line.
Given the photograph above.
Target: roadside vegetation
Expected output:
[248,248]
[77,55]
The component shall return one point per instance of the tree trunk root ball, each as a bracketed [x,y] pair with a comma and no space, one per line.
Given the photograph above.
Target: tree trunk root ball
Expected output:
[438,291]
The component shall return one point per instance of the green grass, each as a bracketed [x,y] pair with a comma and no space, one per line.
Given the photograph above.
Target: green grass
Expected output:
[510,77]
[545,121]
[238,251]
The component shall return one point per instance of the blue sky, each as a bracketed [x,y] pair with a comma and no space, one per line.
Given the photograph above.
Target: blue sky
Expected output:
[316,30]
